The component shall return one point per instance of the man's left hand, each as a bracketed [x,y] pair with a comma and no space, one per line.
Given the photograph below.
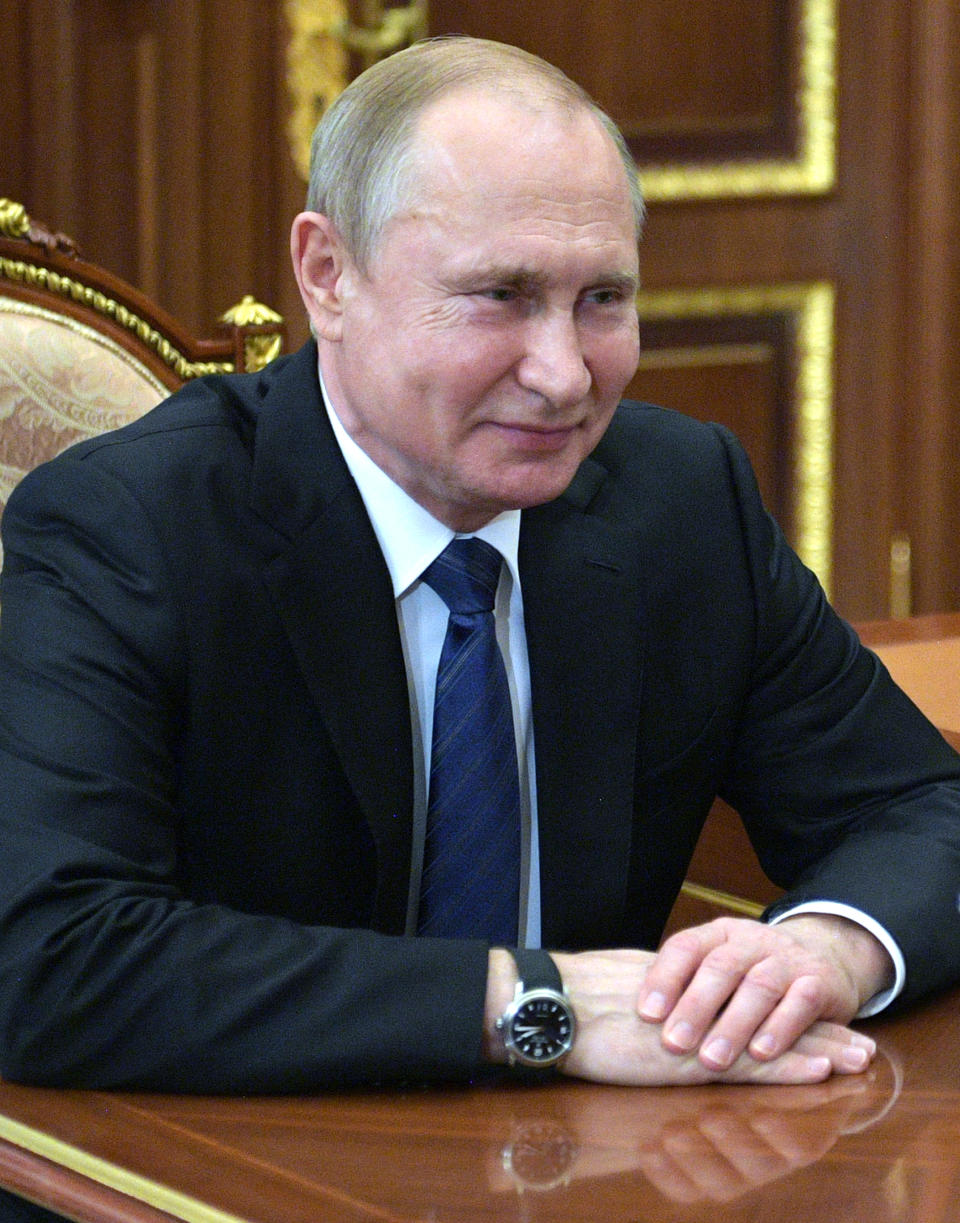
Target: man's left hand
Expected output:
[736,985]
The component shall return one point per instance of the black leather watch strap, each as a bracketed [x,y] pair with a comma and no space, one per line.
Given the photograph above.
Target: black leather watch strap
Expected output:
[537,969]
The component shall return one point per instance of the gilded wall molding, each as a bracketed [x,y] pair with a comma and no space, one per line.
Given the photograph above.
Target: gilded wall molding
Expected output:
[318,68]
[322,41]
[812,308]
[814,169]
[318,65]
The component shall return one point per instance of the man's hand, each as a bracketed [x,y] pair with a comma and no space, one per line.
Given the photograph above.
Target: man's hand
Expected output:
[736,986]
[613,1044]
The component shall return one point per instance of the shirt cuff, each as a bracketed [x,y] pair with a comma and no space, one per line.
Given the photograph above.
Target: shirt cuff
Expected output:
[879,1001]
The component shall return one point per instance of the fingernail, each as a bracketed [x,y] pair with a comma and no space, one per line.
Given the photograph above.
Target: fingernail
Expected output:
[763,1046]
[681,1035]
[655,1006]
[819,1066]
[854,1058]
[718,1053]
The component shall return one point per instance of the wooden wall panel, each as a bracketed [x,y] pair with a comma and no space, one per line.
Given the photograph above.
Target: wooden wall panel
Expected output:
[711,372]
[929,423]
[729,67]
[156,133]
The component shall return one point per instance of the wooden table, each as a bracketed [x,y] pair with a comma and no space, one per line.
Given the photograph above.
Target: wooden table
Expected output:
[882,1148]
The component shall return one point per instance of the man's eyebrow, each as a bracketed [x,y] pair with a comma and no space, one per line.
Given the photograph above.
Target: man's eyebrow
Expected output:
[627,282]
[522,279]
[507,275]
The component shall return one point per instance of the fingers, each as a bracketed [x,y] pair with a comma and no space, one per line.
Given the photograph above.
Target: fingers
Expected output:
[614,1045]
[766,1015]
[825,1049]
[674,966]
[689,1165]
[733,986]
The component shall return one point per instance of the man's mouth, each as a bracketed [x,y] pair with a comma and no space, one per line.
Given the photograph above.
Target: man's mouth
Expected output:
[535,438]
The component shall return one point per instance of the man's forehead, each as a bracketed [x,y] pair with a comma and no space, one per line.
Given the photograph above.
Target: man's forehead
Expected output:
[480,112]
[473,140]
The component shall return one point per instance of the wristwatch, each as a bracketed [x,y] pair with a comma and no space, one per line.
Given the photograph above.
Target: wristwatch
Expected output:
[539,1025]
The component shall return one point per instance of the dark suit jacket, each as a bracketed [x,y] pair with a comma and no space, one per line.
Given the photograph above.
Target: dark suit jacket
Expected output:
[205,747]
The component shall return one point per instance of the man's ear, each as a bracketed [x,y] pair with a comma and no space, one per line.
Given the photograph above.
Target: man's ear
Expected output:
[319,261]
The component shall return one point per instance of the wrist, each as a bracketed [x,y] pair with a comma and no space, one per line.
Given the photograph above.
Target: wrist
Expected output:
[501,985]
[538,1026]
[866,961]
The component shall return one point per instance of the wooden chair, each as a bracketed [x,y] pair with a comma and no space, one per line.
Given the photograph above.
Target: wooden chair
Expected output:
[82,351]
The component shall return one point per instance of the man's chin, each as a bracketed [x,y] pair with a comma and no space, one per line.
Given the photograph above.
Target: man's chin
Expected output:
[538,488]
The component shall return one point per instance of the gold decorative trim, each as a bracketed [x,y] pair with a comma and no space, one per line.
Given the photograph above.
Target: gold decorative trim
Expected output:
[386,31]
[248,312]
[724,900]
[66,286]
[901,576]
[322,38]
[318,66]
[813,171]
[259,349]
[14,222]
[317,69]
[812,307]
[178,1205]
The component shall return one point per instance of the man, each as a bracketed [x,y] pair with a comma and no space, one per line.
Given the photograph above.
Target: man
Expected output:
[220,637]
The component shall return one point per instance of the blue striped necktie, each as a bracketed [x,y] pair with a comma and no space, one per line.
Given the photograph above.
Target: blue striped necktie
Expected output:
[471,870]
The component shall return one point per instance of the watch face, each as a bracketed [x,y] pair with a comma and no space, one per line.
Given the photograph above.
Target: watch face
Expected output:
[541,1028]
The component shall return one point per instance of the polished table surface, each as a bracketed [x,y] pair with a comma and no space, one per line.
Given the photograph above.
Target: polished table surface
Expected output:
[878,1148]
[883,1148]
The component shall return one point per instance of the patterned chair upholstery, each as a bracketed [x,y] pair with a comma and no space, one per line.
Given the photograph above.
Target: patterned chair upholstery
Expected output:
[82,351]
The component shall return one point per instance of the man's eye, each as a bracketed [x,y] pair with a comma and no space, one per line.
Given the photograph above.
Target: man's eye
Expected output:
[604,297]
[500,294]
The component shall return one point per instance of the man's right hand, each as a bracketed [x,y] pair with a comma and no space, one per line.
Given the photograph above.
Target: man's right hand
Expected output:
[613,1045]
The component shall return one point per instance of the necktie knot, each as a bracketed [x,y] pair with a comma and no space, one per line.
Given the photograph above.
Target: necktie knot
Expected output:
[465,575]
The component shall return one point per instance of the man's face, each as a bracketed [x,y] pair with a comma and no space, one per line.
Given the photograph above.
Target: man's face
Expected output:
[481,356]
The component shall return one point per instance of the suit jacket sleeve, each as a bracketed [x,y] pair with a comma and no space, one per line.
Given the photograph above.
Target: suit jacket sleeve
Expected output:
[125,959]
[847,791]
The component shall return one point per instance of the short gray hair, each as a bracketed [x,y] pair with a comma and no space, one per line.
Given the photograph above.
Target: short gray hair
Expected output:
[360,156]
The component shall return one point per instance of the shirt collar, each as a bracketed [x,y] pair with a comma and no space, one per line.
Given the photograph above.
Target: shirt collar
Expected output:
[409,536]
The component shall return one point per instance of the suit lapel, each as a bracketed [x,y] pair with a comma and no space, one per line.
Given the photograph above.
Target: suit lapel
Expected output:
[334,597]
[581,591]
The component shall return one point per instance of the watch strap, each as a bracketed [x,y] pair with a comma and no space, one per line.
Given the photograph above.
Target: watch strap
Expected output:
[537,969]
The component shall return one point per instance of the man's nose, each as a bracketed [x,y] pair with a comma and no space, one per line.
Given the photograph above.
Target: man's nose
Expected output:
[553,363]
